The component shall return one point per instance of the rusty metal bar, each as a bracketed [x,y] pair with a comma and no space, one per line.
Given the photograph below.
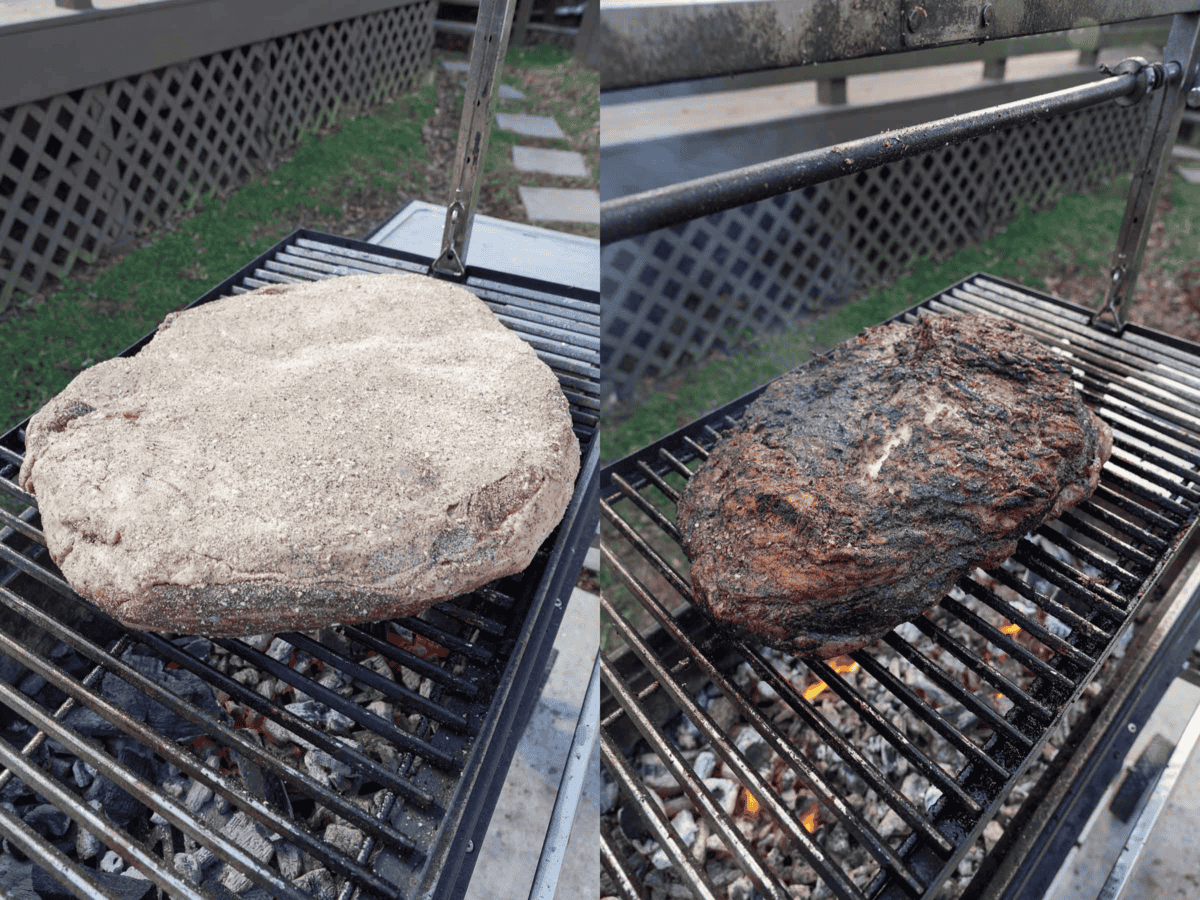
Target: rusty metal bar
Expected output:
[627,882]
[656,820]
[846,750]
[648,211]
[1154,158]
[66,871]
[746,775]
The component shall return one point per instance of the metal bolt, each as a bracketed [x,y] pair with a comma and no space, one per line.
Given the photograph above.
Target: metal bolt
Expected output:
[1132,728]
[470,846]
[989,15]
[916,17]
[1193,97]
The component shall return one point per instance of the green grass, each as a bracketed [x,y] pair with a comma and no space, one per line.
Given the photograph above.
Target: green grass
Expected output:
[47,344]
[1080,230]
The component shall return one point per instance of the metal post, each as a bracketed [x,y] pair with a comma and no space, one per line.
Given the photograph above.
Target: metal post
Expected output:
[994,68]
[831,91]
[487,56]
[1154,156]
[524,10]
[554,848]
[587,31]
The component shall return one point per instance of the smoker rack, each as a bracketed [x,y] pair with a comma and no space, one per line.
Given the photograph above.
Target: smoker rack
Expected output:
[485,654]
[1120,545]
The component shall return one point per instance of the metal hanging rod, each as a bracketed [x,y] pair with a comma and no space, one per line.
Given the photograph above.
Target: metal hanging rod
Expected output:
[648,211]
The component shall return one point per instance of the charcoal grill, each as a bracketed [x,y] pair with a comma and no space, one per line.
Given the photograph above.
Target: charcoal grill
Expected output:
[424,801]
[1066,646]
[1124,540]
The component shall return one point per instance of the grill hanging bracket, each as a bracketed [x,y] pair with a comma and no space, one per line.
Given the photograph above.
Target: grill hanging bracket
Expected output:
[1177,74]
[487,55]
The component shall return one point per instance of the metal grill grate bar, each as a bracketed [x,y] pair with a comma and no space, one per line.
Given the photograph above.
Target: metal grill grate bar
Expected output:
[364,718]
[1058,573]
[1088,570]
[1139,534]
[1062,649]
[981,668]
[631,785]
[954,688]
[747,777]
[394,654]
[931,717]
[132,784]
[844,749]
[1006,644]
[297,726]
[169,751]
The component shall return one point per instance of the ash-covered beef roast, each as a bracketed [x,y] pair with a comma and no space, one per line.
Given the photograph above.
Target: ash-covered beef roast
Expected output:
[344,450]
[859,488]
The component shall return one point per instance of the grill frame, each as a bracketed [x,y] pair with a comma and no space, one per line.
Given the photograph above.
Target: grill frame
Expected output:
[685,444]
[562,324]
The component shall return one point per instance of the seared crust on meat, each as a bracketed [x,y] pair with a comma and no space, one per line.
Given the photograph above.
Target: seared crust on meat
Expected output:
[859,488]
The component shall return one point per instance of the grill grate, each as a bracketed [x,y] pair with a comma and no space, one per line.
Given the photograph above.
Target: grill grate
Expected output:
[1047,620]
[373,762]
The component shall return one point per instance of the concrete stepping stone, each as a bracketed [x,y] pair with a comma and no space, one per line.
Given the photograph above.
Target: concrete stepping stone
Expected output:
[561,204]
[530,126]
[1191,176]
[456,68]
[552,162]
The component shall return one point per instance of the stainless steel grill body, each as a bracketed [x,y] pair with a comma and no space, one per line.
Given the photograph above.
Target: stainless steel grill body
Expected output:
[1074,590]
[418,795]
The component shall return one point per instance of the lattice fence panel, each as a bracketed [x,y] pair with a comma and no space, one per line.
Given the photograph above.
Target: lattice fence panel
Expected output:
[673,296]
[86,170]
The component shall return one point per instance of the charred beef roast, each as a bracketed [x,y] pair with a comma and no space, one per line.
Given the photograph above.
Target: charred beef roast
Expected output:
[859,488]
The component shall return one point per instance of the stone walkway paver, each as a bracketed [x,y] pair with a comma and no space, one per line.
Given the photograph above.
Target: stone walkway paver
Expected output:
[530,126]
[561,204]
[552,162]
[543,204]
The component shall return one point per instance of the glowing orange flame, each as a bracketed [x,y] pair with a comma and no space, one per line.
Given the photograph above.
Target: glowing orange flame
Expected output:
[842,665]
[1010,629]
[814,690]
[751,805]
[808,818]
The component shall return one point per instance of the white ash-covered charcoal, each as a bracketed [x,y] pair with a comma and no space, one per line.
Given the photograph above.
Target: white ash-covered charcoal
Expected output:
[344,450]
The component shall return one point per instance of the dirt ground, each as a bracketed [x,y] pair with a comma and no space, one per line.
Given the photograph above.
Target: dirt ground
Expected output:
[1156,303]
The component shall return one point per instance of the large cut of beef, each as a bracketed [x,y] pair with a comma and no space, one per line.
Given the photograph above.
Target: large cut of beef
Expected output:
[344,450]
[859,488]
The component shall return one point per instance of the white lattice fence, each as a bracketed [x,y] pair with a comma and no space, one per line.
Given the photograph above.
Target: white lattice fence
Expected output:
[672,296]
[86,170]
